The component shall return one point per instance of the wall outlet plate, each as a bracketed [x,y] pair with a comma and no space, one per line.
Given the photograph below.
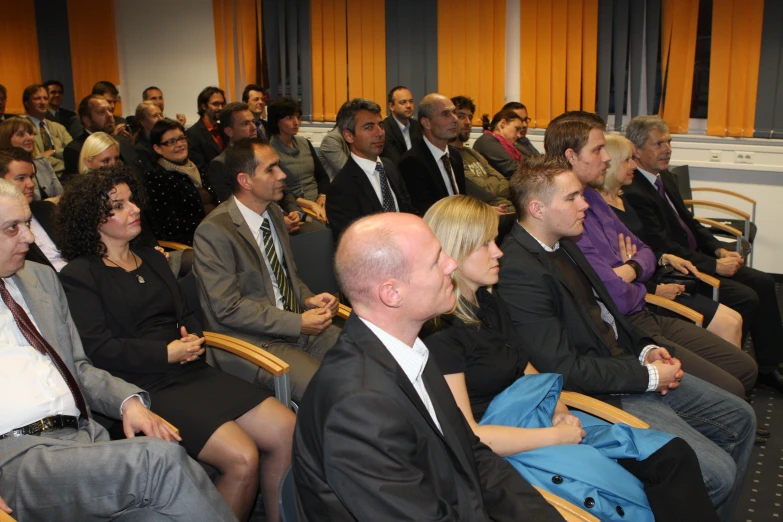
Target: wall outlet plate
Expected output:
[715,155]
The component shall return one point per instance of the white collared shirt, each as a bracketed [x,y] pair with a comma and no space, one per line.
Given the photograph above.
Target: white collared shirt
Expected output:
[438,155]
[47,246]
[31,387]
[368,167]
[412,360]
[254,222]
[406,132]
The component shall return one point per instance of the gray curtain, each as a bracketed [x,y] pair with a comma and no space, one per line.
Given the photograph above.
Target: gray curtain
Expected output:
[769,100]
[54,45]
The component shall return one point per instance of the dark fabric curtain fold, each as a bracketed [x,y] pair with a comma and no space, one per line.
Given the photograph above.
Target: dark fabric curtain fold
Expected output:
[412,45]
[769,100]
[54,45]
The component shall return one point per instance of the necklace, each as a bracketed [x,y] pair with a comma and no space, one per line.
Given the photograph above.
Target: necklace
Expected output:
[138,276]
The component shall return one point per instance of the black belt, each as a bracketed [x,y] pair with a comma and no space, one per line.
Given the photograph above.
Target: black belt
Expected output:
[55,422]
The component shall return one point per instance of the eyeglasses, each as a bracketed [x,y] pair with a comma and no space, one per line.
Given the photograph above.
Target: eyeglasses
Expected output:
[526,120]
[174,141]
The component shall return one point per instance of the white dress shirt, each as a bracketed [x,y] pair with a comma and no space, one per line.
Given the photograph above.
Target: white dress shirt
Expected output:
[368,167]
[254,221]
[47,246]
[31,387]
[406,132]
[412,360]
[438,155]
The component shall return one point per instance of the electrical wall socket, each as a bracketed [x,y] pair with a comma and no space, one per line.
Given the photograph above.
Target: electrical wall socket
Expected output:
[743,157]
[715,155]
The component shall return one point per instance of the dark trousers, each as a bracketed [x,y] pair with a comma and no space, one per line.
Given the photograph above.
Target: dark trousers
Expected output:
[673,484]
[702,353]
[752,294]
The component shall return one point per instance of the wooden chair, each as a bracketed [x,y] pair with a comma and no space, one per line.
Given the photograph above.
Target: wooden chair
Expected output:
[312,215]
[5,517]
[172,245]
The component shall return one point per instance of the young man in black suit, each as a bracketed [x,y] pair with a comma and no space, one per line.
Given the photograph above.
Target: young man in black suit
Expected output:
[432,169]
[670,227]
[402,131]
[205,142]
[56,112]
[367,183]
[379,436]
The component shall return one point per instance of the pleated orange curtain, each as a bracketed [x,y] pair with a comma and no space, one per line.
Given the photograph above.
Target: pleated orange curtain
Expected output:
[367,50]
[679,24]
[93,46]
[472,52]
[329,57]
[734,66]
[238,44]
[559,55]
[20,65]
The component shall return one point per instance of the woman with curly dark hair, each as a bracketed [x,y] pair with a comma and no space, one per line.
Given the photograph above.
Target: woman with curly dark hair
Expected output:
[306,177]
[134,323]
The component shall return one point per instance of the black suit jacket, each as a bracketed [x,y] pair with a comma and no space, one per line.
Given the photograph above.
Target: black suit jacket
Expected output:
[351,195]
[71,155]
[394,147]
[365,447]
[201,147]
[64,117]
[661,229]
[423,178]
[561,335]
[106,325]
[44,213]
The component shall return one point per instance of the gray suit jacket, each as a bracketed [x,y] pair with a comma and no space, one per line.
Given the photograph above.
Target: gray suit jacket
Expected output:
[235,287]
[334,152]
[103,392]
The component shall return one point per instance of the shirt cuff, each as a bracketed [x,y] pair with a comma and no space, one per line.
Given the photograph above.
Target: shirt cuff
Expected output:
[144,402]
[645,351]
[652,383]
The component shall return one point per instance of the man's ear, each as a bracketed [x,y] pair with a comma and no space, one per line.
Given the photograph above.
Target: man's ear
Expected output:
[389,294]
[536,209]
[425,122]
[348,136]
[229,132]
[637,152]
[571,156]
[243,180]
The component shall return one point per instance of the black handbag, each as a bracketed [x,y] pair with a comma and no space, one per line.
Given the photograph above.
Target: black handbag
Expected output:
[668,275]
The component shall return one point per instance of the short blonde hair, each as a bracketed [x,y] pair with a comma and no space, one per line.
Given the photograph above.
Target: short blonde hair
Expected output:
[95,143]
[620,149]
[462,224]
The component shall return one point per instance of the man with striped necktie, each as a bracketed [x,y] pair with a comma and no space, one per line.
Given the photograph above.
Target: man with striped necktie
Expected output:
[248,283]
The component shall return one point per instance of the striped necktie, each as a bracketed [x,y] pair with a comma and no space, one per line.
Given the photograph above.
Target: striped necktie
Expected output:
[283,283]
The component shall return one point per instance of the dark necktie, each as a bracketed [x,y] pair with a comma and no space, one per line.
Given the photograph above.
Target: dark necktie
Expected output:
[45,138]
[283,284]
[662,192]
[388,199]
[37,341]
[261,132]
[450,172]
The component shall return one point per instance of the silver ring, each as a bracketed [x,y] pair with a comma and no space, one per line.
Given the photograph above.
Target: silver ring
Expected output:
[630,256]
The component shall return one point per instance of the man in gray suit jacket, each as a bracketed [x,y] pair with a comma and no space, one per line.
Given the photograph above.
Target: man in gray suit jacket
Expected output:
[247,278]
[47,387]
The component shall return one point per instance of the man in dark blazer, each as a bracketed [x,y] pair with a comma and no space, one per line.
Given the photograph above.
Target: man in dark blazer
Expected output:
[205,142]
[379,436]
[432,169]
[367,183]
[573,327]
[52,392]
[95,115]
[402,131]
[669,227]
[247,277]
[56,111]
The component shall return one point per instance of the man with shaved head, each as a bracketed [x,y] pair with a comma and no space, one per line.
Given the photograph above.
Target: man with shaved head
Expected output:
[379,436]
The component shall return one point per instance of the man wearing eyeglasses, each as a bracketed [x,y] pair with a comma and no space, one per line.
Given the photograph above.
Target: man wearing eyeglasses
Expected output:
[523,144]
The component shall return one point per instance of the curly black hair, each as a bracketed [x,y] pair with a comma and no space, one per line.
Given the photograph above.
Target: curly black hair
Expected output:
[85,206]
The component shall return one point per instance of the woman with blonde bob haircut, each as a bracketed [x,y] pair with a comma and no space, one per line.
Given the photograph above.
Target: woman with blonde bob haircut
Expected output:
[99,150]
[20,132]
[518,412]
[718,319]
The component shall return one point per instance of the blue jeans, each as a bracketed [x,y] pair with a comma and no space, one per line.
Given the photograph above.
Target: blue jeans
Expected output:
[705,416]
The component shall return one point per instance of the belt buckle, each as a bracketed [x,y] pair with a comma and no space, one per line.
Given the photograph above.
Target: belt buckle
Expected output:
[47,424]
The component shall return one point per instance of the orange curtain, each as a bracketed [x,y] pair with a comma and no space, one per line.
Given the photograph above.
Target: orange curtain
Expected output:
[472,52]
[559,54]
[20,65]
[367,50]
[679,24]
[93,46]
[734,67]
[329,57]
[238,43]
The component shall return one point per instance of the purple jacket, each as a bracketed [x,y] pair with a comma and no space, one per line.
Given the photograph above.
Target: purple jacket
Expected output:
[599,244]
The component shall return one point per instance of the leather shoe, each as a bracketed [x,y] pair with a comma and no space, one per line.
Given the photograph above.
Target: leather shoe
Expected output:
[764,434]
[773,379]
[759,441]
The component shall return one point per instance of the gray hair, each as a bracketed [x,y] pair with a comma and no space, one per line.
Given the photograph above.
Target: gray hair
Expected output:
[346,116]
[640,127]
[9,190]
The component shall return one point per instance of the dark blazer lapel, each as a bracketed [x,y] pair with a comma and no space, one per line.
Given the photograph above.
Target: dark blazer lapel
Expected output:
[433,168]
[164,272]
[645,184]
[393,129]
[365,186]
[116,301]
[458,167]
[41,307]
[206,136]
[247,235]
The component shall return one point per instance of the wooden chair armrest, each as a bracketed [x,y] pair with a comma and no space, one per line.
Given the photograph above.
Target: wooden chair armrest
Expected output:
[567,510]
[724,191]
[172,245]
[248,352]
[312,215]
[170,425]
[688,313]
[708,279]
[719,206]
[5,517]
[600,409]
[720,226]
[344,311]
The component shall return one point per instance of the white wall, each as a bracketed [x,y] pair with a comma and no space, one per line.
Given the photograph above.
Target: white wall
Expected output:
[169,44]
